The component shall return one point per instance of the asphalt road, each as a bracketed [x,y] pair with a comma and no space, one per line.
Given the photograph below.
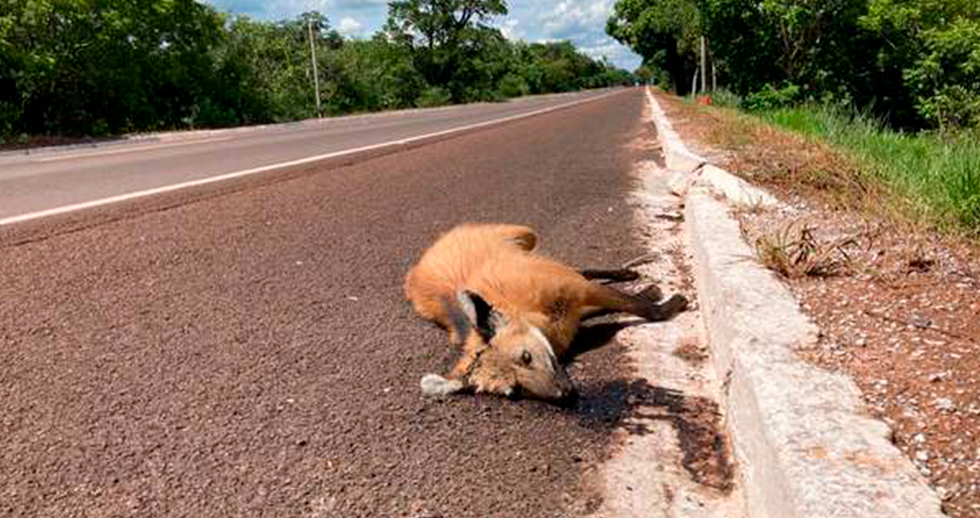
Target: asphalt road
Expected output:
[250,353]
[53,178]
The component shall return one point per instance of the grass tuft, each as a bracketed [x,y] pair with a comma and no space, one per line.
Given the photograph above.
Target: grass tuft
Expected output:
[794,251]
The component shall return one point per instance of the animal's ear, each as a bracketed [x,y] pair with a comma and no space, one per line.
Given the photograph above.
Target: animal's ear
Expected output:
[482,316]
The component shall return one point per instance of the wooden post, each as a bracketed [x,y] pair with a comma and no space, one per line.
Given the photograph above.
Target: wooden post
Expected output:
[316,75]
[714,76]
[704,65]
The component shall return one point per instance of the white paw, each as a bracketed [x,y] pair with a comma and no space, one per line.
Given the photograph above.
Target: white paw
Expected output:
[436,385]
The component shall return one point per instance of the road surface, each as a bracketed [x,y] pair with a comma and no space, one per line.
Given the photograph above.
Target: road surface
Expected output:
[40,182]
[250,353]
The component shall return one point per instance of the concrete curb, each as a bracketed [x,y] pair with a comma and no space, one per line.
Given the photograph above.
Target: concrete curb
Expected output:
[803,441]
[690,169]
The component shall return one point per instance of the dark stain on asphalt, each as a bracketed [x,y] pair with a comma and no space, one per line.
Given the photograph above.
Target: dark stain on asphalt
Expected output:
[697,422]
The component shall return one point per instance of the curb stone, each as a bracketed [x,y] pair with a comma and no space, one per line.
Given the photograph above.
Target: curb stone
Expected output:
[689,169]
[803,441]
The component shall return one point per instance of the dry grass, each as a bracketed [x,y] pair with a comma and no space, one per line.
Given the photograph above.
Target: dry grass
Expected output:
[769,156]
[794,251]
[790,164]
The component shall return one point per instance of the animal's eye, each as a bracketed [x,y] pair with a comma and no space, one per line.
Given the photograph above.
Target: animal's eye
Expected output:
[526,358]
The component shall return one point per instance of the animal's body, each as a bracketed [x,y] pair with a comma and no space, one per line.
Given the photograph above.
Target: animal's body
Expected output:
[515,312]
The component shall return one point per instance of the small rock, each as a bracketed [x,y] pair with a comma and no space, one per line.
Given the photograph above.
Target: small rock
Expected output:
[921,322]
[944,404]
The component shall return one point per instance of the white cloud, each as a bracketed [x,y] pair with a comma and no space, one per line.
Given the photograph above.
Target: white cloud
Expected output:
[575,19]
[291,8]
[581,21]
[359,5]
[509,28]
[350,27]
[616,53]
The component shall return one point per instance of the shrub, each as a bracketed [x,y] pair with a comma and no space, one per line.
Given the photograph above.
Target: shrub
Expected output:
[772,98]
[434,96]
[513,85]
[725,99]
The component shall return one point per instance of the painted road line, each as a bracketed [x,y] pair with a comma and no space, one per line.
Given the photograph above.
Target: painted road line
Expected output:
[282,165]
[128,150]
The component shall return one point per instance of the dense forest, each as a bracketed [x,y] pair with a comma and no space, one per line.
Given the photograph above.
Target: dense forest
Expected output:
[98,67]
[912,63]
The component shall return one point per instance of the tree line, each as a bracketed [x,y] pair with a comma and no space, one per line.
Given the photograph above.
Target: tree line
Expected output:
[99,67]
[913,63]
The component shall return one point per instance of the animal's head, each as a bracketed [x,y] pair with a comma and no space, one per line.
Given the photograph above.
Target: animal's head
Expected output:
[512,357]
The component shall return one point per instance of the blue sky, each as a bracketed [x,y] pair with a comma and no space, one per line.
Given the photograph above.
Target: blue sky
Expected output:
[581,21]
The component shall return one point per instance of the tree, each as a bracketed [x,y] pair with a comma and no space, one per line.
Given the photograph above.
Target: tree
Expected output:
[664,32]
[443,35]
[100,66]
[95,67]
[929,60]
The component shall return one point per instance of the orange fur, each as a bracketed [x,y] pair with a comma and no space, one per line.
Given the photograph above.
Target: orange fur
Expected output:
[530,292]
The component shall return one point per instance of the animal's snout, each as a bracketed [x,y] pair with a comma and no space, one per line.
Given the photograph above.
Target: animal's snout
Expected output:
[567,392]
[568,399]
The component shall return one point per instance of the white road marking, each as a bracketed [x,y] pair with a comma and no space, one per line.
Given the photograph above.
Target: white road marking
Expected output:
[282,165]
[128,150]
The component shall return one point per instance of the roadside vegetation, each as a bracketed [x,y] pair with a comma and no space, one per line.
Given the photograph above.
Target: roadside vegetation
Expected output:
[861,117]
[938,174]
[93,68]
[893,84]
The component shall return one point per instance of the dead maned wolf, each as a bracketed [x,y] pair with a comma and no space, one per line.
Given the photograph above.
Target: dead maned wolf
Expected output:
[514,312]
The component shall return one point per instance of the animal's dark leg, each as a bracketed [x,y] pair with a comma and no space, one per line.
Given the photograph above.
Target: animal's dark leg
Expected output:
[641,305]
[651,294]
[615,275]
[595,313]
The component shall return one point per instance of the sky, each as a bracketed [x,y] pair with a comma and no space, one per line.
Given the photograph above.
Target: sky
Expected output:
[581,21]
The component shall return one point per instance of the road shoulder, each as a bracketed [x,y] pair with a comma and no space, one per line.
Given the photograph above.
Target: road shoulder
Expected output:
[804,441]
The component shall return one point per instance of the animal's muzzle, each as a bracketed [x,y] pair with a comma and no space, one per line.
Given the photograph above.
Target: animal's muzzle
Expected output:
[567,393]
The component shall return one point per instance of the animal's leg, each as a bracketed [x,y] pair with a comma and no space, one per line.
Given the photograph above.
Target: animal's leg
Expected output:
[651,294]
[439,386]
[604,297]
[615,275]
[436,385]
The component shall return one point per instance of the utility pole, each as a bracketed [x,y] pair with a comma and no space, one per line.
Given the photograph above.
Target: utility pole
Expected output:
[704,65]
[316,75]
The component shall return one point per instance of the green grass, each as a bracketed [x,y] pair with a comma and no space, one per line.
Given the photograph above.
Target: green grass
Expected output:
[939,175]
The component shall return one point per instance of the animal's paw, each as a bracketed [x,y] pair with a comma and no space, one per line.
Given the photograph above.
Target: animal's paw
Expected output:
[675,304]
[651,293]
[436,385]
